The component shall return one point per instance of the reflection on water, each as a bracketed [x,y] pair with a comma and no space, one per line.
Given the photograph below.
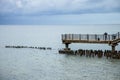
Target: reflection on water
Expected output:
[31,64]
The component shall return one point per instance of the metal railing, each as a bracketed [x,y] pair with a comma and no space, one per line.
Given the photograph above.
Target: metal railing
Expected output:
[94,37]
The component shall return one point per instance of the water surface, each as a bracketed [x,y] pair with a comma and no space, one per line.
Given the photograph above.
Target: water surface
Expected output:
[35,64]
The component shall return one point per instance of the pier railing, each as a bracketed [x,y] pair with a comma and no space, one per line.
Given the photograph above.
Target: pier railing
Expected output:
[91,37]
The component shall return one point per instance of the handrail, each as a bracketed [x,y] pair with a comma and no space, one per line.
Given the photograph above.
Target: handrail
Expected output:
[93,37]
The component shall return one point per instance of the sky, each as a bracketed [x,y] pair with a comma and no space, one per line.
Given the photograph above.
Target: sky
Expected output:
[59,12]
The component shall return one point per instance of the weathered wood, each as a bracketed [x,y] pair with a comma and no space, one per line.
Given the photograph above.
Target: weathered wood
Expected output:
[85,41]
[111,39]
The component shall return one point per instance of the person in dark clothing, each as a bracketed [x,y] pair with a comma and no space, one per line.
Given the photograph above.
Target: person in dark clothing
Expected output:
[105,35]
[114,36]
[98,39]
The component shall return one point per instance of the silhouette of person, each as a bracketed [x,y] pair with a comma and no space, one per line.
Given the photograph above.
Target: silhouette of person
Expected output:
[98,39]
[114,36]
[105,34]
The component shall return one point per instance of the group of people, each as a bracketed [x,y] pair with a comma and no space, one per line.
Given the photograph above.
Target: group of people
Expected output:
[113,35]
[98,53]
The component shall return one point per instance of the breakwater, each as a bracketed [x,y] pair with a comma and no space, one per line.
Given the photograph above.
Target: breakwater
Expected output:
[31,47]
[93,53]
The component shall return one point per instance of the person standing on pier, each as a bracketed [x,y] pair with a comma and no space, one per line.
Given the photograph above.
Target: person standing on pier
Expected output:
[105,34]
[114,36]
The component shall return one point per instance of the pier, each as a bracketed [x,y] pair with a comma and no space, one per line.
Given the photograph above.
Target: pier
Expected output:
[110,39]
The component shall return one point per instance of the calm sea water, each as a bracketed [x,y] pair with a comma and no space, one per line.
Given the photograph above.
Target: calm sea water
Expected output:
[34,64]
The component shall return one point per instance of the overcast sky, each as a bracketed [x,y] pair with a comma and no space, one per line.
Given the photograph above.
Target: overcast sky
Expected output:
[59,12]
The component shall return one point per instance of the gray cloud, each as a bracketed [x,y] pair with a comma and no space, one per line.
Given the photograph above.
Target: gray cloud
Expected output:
[58,6]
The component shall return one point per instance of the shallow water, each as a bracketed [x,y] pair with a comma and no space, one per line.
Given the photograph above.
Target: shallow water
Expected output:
[35,64]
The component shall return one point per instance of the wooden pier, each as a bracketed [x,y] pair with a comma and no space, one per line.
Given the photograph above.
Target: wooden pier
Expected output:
[110,39]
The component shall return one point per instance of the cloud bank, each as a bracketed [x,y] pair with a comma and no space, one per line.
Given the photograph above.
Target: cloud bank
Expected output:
[38,7]
[59,12]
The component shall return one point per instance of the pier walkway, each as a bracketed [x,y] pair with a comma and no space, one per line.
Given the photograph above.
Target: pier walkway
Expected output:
[111,39]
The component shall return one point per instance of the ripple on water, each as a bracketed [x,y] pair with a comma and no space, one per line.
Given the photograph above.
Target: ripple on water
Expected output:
[48,65]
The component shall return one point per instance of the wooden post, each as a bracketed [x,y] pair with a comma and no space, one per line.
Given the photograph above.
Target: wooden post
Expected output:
[72,36]
[118,34]
[67,46]
[79,36]
[95,37]
[113,48]
[87,37]
[109,37]
[65,36]
[62,36]
[69,36]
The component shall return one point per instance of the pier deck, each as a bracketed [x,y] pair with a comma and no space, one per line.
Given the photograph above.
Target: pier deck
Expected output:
[111,39]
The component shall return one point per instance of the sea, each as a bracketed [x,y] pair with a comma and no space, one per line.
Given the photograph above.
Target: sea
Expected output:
[36,64]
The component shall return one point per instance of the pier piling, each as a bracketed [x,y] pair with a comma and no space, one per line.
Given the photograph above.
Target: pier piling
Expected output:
[111,39]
